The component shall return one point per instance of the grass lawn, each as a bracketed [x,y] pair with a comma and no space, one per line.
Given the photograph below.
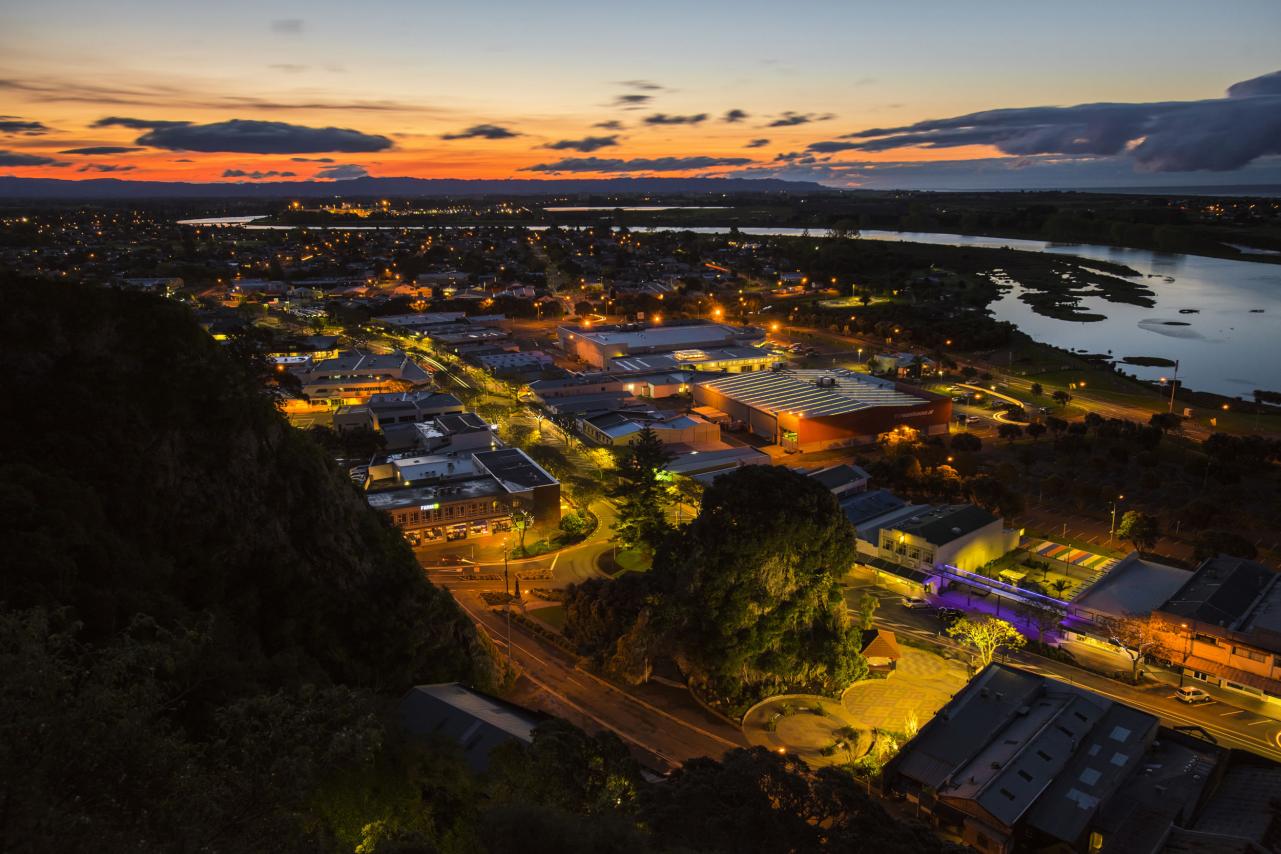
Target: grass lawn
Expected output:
[625,560]
[552,615]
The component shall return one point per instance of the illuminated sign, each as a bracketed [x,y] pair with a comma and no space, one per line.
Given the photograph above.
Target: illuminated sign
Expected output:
[428,506]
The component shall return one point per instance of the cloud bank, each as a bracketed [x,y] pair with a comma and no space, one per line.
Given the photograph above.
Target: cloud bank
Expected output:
[586,144]
[1218,134]
[247,136]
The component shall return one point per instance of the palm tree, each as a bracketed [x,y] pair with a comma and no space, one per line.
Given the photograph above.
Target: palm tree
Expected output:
[1060,585]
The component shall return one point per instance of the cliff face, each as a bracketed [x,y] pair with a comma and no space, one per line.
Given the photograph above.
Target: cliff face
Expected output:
[144,470]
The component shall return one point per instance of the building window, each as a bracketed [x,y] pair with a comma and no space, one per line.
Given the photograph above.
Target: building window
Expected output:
[1251,654]
[1208,639]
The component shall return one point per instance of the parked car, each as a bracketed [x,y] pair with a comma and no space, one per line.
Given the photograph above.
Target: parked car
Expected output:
[973,419]
[915,603]
[1192,695]
[950,615]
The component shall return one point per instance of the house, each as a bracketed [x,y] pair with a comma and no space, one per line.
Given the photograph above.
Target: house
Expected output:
[619,428]
[963,536]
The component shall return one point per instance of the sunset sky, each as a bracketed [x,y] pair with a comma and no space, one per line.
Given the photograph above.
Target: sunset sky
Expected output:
[241,91]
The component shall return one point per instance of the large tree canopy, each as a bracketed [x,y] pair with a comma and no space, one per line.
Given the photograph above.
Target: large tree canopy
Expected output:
[749,589]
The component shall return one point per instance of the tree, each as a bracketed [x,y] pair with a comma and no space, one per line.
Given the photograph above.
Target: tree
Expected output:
[867,606]
[1037,390]
[1055,425]
[1140,529]
[967,442]
[522,519]
[1166,421]
[642,494]
[1060,586]
[749,591]
[1210,543]
[1061,397]
[1035,430]
[986,635]
[1138,636]
[1009,432]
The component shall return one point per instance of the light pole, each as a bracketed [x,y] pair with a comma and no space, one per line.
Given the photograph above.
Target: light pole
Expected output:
[1174,385]
[1187,651]
[1112,530]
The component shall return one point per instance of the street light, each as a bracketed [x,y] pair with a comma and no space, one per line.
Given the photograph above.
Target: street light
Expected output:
[1187,651]
[1112,530]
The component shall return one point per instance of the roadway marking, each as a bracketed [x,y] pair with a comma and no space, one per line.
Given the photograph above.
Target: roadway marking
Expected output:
[1230,714]
[1257,723]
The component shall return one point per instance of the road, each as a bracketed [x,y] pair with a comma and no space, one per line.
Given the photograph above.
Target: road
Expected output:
[662,722]
[1230,725]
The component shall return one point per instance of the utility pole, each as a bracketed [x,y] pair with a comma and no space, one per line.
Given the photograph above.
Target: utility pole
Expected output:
[507,602]
[1112,530]
[1174,385]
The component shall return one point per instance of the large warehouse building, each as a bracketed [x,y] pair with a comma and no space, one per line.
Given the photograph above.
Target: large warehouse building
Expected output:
[600,345]
[811,410]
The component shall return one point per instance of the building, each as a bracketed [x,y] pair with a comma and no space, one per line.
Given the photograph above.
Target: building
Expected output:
[1018,761]
[727,360]
[1223,626]
[598,346]
[388,409]
[841,480]
[817,409]
[353,378]
[618,429]
[476,722]
[880,649]
[961,536]
[456,496]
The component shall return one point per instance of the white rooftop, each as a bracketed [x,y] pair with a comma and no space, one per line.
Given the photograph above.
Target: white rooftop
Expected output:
[812,393]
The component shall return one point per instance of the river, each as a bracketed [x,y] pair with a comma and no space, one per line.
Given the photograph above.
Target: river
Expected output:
[1220,318]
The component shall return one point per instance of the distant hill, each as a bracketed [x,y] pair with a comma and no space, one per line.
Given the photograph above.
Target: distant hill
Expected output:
[113,188]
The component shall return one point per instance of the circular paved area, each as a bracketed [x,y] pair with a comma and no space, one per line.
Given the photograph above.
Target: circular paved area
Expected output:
[804,733]
[920,686]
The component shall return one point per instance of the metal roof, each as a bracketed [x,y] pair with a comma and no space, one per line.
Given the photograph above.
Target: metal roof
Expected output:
[811,393]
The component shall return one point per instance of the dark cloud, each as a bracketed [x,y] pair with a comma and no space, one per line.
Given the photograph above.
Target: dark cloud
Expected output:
[637,164]
[247,136]
[288,67]
[101,149]
[482,132]
[287,26]
[734,116]
[1220,134]
[183,160]
[136,124]
[15,125]
[105,167]
[256,175]
[342,172]
[665,119]
[14,158]
[609,125]
[790,119]
[632,101]
[643,85]
[1267,84]
[757,143]
[312,159]
[586,144]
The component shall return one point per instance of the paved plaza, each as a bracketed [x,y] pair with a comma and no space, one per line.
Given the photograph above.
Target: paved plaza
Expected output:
[920,686]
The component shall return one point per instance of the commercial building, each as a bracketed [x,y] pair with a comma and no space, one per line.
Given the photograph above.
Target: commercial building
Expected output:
[728,360]
[1018,761]
[963,536]
[598,346]
[817,409]
[353,378]
[620,428]
[455,496]
[1223,626]
[388,409]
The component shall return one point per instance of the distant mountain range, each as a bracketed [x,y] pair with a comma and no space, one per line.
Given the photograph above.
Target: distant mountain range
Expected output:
[113,188]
